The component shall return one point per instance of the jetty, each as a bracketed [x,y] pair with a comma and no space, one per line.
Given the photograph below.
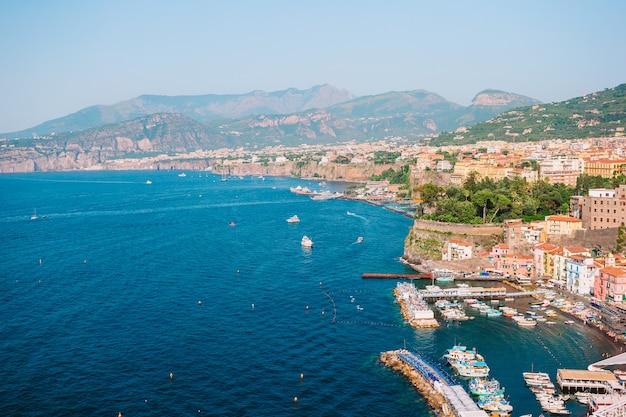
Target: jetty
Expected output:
[413,307]
[445,397]
[426,275]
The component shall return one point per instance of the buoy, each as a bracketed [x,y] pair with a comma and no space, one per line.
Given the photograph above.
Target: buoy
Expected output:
[171,375]
[199,302]
[307,307]
[320,283]
[301,376]
[40,261]
[237,271]
[252,305]
[295,399]
[322,312]
[85,261]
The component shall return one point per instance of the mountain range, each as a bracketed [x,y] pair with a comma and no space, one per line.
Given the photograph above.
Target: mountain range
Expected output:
[152,125]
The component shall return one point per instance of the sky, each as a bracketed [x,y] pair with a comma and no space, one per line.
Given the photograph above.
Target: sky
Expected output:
[58,57]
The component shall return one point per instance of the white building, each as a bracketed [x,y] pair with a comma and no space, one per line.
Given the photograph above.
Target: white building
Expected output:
[456,249]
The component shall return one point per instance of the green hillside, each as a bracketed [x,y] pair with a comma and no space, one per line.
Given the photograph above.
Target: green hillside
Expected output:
[599,114]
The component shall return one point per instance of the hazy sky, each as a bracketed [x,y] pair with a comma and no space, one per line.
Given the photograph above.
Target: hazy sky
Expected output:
[57,57]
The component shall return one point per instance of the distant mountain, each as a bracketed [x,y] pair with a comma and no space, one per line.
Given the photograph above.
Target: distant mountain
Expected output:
[598,114]
[412,115]
[202,108]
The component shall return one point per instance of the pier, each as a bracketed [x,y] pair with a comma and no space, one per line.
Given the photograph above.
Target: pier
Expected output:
[426,275]
[599,382]
[435,385]
[461,293]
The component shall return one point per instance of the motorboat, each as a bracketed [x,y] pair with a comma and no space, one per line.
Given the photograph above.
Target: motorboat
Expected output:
[306,242]
[293,219]
[359,239]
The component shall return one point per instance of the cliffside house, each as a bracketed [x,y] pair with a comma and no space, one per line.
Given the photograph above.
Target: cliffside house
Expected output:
[457,250]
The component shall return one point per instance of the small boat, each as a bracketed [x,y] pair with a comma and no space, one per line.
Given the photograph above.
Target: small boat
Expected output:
[182,174]
[232,224]
[306,242]
[148,182]
[569,322]
[293,219]
[446,278]
[359,239]
[34,216]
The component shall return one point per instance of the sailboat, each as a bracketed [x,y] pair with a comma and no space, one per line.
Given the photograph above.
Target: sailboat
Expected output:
[34,216]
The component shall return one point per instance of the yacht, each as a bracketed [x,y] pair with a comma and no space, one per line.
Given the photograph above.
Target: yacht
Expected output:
[306,242]
[293,219]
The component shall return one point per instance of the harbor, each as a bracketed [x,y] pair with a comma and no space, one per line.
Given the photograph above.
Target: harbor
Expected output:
[597,389]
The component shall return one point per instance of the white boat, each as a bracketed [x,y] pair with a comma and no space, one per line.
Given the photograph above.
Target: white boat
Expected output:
[34,216]
[182,174]
[293,219]
[148,182]
[359,239]
[306,242]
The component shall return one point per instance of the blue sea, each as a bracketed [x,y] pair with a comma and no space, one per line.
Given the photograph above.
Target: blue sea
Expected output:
[193,296]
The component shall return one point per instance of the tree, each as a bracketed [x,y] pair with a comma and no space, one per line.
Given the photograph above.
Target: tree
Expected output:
[430,194]
[482,199]
[500,201]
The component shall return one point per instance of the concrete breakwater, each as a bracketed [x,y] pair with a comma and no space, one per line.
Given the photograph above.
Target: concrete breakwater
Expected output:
[444,396]
[434,398]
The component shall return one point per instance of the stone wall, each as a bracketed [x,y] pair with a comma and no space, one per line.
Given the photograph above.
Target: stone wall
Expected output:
[471,230]
[426,238]
[603,239]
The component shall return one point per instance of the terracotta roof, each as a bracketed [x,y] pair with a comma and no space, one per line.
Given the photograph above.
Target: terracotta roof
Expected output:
[577,249]
[563,219]
[611,270]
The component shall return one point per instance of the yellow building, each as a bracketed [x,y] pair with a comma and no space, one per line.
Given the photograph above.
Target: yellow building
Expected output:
[562,225]
[606,168]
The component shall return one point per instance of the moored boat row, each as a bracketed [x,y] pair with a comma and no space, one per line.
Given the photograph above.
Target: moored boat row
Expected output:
[544,390]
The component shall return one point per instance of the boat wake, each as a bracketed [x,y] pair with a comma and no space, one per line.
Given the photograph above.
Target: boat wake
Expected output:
[349,213]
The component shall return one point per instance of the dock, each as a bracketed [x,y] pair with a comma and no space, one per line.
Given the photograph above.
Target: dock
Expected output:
[436,386]
[598,382]
[432,293]
[426,275]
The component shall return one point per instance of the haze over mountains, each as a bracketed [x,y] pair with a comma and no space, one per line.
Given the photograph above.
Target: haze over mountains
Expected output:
[321,113]
[173,125]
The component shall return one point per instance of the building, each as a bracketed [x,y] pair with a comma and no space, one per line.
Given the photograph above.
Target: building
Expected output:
[581,273]
[610,285]
[606,168]
[561,226]
[540,258]
[456,249]
[604,208]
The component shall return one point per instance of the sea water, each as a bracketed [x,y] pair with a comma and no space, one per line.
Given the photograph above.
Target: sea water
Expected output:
[192,295]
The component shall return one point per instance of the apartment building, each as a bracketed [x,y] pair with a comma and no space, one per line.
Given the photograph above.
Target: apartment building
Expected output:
[603,208]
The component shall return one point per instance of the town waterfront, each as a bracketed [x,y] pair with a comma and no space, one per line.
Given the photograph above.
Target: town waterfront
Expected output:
[120,283]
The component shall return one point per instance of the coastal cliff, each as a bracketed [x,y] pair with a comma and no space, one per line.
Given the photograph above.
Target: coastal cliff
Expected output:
[425,241]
